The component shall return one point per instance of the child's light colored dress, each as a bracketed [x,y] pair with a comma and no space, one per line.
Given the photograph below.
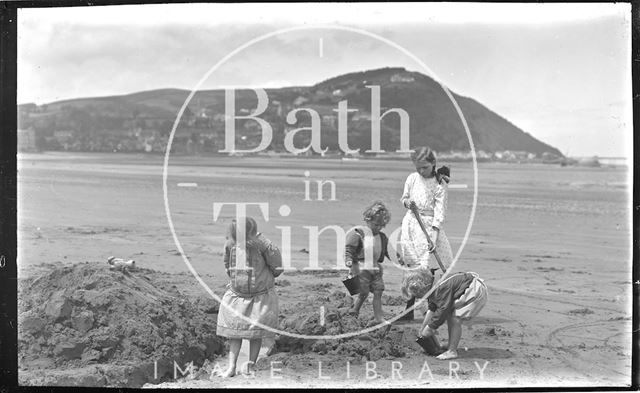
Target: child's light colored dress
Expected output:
[431,199]
[251,292]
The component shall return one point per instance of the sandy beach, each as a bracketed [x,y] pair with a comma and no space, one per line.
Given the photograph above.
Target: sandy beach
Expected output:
[552,243]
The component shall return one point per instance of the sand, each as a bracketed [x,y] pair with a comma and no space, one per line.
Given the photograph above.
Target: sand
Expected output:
[553,245]
[120,328]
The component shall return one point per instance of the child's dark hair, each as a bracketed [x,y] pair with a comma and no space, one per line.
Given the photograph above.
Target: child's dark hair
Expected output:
[250,229]
[377,212]
[443,173]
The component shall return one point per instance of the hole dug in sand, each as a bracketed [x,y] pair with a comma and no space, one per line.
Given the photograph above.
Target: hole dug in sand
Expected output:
[304,318]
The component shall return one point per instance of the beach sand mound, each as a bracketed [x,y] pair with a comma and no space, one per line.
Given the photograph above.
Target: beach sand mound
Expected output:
[87,325]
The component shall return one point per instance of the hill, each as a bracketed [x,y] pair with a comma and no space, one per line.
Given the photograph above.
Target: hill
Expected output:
[143,120]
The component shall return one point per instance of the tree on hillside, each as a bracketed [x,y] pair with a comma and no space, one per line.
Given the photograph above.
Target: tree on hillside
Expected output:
[165,127]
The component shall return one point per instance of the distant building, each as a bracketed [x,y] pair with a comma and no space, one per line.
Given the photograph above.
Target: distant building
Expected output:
[549,156]
[357,116]
[508,155]
[482,154]
[351,156]
[589,161]
[300,100]
[328,116]
[398,78]
[63,136]
[614,161]
[205,113]
[455,155]
[278,106]
[219,117]
[519,154]
[26,140]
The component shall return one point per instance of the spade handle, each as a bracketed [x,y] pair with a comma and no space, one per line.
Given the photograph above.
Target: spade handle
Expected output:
[416,213]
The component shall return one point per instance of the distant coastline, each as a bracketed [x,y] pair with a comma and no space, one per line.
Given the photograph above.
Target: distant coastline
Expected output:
[584,161]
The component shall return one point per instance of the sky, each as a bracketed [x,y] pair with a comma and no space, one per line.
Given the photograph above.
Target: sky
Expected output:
[561,72]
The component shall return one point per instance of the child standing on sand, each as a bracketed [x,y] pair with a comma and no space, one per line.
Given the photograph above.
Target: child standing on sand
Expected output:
[375,217]
[250,297]
[425,190]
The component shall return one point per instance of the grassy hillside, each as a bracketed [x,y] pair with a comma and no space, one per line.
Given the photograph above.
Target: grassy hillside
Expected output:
[433,119]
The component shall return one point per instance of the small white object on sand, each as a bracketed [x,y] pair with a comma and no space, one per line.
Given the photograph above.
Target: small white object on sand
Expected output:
[121,264]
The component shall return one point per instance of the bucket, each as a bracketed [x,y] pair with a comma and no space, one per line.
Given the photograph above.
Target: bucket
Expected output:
[353,284]
[429,345]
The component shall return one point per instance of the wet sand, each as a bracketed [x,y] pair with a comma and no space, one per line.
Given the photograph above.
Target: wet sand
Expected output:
[552,243]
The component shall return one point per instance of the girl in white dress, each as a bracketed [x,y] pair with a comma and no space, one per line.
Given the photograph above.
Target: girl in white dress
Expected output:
[427,190]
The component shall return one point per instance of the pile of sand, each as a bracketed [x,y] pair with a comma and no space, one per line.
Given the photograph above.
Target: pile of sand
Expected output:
[122,329]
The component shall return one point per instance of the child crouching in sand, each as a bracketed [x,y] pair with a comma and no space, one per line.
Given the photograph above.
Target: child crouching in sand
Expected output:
[250,292]
[375,217]
[459,297]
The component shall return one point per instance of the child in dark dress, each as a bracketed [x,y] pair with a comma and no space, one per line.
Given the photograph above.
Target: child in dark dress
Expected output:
[251,297]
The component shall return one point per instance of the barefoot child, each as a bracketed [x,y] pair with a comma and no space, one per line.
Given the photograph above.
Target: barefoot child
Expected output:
[376,217]
[459,297]
[250,292]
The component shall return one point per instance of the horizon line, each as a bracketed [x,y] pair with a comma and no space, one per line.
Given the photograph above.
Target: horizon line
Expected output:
[243,87]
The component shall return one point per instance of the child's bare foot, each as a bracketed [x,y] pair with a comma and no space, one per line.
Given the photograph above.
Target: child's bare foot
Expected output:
[450,354]
[375,322]
[249,369]
[231,372]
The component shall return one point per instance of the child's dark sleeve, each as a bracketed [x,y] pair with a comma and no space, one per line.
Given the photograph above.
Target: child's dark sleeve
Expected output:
[351,247]
[227,257]
[441,303]
[385,243]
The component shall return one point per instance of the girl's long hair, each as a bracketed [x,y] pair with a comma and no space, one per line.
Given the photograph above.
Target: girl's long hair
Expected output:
[250,230]
[425,154]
